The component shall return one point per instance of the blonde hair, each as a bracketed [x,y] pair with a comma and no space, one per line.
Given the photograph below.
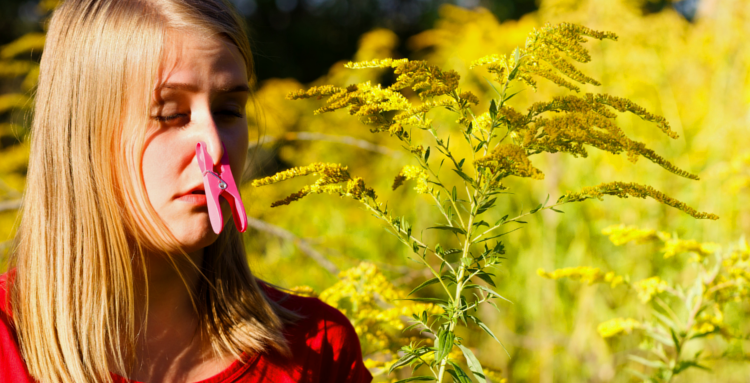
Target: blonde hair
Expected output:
[86,219]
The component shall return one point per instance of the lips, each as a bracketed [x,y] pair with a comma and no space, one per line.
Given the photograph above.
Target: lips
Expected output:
[196,196]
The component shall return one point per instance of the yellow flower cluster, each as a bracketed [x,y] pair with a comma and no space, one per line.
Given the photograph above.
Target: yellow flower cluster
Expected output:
[366,296]
[649,287]
[509,159]
[710,320]
[330,175]
[542,56]
[425,79]
[382,63]
[333,172]
[589,275]
[25,44]
[625,190]
[621,234]
[676,246]
[585,125]
[13,101]
[617,326]
[494,376]
[411,172]
[304,291]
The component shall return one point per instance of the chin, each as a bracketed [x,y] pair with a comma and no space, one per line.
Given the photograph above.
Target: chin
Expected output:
[190,245]
[193,238]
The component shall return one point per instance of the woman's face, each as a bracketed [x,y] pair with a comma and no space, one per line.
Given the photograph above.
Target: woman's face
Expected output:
[202,97]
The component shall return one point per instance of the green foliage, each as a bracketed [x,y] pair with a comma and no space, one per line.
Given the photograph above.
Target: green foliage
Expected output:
[499,144]
[683,314]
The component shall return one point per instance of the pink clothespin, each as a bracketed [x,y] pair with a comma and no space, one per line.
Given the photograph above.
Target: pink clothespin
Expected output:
[218,184]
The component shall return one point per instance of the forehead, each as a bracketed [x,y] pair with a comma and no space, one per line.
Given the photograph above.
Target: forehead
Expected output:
[201,63]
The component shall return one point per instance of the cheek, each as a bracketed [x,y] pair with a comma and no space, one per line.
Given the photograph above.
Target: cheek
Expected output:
[163,158]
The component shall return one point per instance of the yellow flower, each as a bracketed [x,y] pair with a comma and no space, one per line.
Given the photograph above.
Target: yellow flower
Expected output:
[701,250]
[649,287]
[590,275]
[617,326]
[621,234]
[304,291]
[411,172]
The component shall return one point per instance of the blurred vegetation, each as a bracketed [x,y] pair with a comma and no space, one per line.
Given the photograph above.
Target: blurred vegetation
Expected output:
[690,66]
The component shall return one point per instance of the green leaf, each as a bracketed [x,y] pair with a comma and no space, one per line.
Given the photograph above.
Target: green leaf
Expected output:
[450,228]
[427,154]
[454,194]
[403,361]
[453,251]
[444,345]
[660,338]
[501,220]
[466,261]
[464,176]
[480,224]
[511,96]
[685,364]
[488,331]
[496,236]
[677,345]
[493,305]
[639,374]
[499,248]
[486,206]
[461,163]
[473,363]
[488,291]
[423,378]
[512,74]
[487,277]
[411,327]
[458,374]
[427,300]
[536,209]
[665,319]
[493,87]
[425,284]
[493,108]
[647,362]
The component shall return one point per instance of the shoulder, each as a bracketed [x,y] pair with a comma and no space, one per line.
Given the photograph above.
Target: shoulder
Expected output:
[6,280]
[323,341]
[12,367]
[314,313]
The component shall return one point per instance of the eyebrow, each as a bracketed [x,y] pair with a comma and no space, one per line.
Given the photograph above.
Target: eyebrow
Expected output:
[194,88]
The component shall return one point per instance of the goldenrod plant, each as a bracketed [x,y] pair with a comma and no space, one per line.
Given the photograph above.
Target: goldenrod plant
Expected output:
[465,181]
[683,313]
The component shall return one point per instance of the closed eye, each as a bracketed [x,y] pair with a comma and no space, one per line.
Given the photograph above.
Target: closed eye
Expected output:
[178,119]
[232,113]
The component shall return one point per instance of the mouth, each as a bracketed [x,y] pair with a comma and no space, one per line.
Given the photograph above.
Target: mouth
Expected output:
[196,196]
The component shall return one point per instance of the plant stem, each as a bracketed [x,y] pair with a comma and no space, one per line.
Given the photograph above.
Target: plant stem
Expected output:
[459,283]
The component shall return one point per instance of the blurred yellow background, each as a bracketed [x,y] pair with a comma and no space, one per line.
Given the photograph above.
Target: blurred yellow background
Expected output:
[693,73]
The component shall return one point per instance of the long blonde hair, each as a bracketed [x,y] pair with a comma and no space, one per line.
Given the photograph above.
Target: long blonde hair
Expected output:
[86,219]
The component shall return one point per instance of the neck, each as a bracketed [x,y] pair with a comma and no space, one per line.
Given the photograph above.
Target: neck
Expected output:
[169,333]
[171,282]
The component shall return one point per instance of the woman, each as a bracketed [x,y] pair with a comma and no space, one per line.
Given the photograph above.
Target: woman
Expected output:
[117,274]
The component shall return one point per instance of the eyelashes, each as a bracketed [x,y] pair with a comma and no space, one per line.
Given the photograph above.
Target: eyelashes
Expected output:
[221,113]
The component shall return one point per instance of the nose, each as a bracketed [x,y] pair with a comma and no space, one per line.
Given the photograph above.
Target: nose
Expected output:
[214,145]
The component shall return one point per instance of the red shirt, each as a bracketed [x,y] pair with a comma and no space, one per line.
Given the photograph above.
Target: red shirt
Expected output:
[324,346]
